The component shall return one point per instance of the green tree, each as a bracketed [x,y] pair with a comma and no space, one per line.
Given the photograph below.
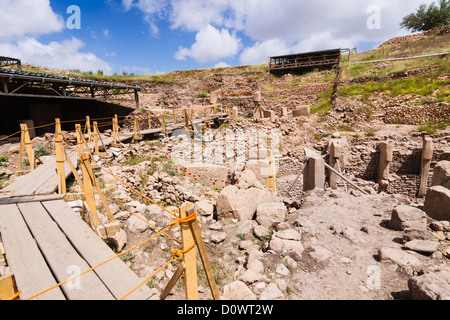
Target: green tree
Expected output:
[428,17]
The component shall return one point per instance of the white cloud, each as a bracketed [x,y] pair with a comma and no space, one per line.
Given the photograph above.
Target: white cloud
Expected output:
[211,45]
[277,26]
[59,55]
[221,64]
[150,8]
[25,17]
[22,21]
[261,51]
[194,15]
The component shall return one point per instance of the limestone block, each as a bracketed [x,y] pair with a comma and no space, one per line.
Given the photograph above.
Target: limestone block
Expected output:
[270,114]
[403,217]
[441,174]
[260,168]
[213,98]
[429,286]
[235,113]
[237,290]
[398,256]
[268,213]
[257,96]
[437,203]
[301,111]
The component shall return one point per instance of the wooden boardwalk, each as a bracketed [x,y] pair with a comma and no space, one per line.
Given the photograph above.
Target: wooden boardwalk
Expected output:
[46,243]
[40,181]
[44,180]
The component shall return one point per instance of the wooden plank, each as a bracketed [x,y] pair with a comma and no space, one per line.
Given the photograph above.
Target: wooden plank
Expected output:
[173,281]
[115,274]
[189,257]
[14,200]
[24,258]
[51,184]
[42,180]
[62,258]
[30,182]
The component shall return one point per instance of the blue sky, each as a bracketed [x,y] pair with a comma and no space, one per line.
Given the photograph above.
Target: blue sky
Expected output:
[158,36]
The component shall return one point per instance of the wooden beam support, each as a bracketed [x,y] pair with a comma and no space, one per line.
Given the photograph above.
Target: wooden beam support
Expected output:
[79,138]
[189,257]
[173,281]
[8,288]
[88,187]
[195,229]
[115,132]
[28,147]
[96,137]
[88,129]
[137,131]
[60,171]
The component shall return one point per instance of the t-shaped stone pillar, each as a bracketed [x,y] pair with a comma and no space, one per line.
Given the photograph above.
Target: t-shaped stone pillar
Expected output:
[314,174]
[213,98]
[270,114]
[259,112]
[335,153]
[234,113]
[386,157]
[427,156]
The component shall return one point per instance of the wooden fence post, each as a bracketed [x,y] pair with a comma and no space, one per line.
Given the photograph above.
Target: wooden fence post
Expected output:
[60,171]
[115,132]
[189,258]
[97,136]
[25,141]
[79,139]
[88,128]
[88,187]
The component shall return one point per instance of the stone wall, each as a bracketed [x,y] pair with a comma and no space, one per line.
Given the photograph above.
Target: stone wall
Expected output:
[360,161]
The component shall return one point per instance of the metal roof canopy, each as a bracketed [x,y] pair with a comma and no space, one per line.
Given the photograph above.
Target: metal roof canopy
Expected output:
[299,61]
[42,85]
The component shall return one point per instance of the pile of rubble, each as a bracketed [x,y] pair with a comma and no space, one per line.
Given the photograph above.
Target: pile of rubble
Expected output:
[413,37]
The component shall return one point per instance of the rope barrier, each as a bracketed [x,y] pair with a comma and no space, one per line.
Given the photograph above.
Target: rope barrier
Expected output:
[170,226]
[177,254]
[8,154]
[15,296]
[4,138]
